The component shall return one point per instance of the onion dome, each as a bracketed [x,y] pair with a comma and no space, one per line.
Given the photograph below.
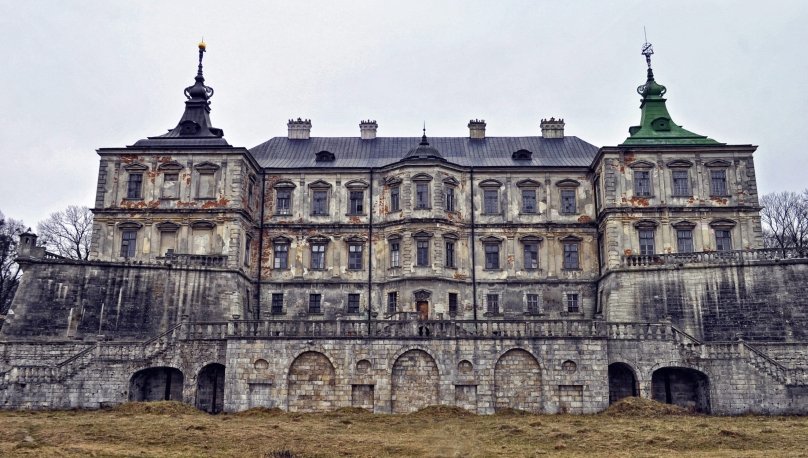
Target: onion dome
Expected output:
[423,151]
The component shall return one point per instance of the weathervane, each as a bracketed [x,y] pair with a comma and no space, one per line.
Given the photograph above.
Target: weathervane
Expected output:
[647,49]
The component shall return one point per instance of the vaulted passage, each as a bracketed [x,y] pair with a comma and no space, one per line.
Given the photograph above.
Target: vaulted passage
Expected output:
[312,383]
[156,384]
[622,382]
[683,387]
[210,388]
[517,382]
[415,382]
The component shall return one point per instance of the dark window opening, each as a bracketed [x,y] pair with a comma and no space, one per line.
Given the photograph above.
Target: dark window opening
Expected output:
[723,240]
[395,204]
[450,199]
[642,183]
[568,204]
[353,303]
[422,253]
[284,202]
[281,256]
[128,243]
[572,303]
[314,303]
[392,302]
[277,303]
[355,256]
[356,204]
[528,201]
[492,256]
[492,303]
[531,256]
[452,304]
[571,259]
[646,242]
[450,254]
[318,256]
[134,187]
[319,203]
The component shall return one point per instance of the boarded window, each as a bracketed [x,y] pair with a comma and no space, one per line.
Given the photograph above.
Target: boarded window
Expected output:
[168,241]
[201,241]
[171,187]
[207,188]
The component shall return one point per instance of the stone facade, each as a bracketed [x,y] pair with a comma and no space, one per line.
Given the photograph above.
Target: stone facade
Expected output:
[536,273]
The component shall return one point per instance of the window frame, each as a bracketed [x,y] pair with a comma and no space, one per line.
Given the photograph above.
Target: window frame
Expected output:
[321,254]
[526,244]
[714,192]
[276,306]
[532,303]
[353,304]
[395,251]
[128,238]
[572,302]
[492,248]
[315,299]
[452,304]
[392,302]
[280,245]
[568,243]
[356,198]
[356,250]
[323,188]
[395,198]
[492,306]
[568,190]
[682,227]
[132,192]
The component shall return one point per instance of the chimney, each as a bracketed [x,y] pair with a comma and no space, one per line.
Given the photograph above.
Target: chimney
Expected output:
[552,128]
[299,129]
[367,129]
[477,129]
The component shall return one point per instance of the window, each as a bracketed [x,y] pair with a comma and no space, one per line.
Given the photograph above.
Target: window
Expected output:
[318,256]
[571,259]
[247,250]
[572,303]
[284,202]
[450,198]
[718,182]
[355,256]
[277,303]
[681,182]
[353,303]
[491,201]
[421,195]
[646,242]
[492,303]
[134,187]
[452,304]
[250,191]
[319,202]
[128,243]
[492,255]
[207,190]
[568,204]
[684,240]
[395,253]
[422,253]
[170,186]
[315,301]
[528,201]
[450,254]
[281,255]
[395,202]
[392,302]
[723,240]
[532,304]
[356,201]
[531,255]
[642,183]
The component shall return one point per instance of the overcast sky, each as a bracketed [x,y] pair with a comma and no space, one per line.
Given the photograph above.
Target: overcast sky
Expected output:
[81,75]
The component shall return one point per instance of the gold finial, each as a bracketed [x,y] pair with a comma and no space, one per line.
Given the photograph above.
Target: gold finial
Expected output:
[202,44]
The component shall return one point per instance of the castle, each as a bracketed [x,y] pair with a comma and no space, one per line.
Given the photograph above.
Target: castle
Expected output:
[539,273]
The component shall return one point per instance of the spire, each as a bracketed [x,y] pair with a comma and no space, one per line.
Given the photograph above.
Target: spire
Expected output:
[423,150]
[424,141]
[656,126]
[194,128]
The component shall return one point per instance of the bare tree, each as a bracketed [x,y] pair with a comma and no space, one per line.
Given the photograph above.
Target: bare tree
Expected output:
[785,219]
[67,232]
[10,272]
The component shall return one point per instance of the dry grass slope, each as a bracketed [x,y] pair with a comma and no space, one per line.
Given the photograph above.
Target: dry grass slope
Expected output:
[631,428]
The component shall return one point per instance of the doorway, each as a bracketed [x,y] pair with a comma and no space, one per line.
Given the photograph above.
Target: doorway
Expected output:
[422,307]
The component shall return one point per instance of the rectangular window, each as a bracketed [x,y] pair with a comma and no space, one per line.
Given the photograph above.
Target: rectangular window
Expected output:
[277,303]
[355,256]
[284,202]
[532,304]
[422,253]
[568,204]
[718,182]
[281,256]
[572,303]
[452,304]
[450,254]
[395,254]
[571,255]
[531,255]
[491,201]
[318,256]
[492,303]
[250,191]
[207,190]
[450,199]
[315,301]
[684,241]
[128,243]
[395,203]
[642,183]
[421,195]
[353,303]
[319,203]
[528,201]
[171,187]
[247,250]
[356,203]
[491,256]
[134,187]
[681,182]
[646,242]
[723,240]
[392,302]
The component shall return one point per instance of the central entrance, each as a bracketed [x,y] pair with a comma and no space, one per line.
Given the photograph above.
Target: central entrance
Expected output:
[422,307]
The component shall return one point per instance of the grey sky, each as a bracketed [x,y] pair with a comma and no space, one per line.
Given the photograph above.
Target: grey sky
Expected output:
[77,76]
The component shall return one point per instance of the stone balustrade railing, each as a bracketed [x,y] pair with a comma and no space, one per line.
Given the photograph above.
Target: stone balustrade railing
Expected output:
[712,257]
[185,259]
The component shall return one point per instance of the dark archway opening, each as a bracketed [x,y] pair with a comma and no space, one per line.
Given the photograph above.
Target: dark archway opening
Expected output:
[156,384]
[622,383]
[683,387]
[210,389]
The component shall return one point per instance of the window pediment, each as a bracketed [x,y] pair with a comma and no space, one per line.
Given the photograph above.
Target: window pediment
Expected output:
[422,235]
[451,236]
[490,184]
[202,224]
[491,239]
[723,224]
[718,163]
[571,238]
[528,183]
[392,181]
[284,184]
[319,184]
[684,225]
[422,177]
[171,166]
[355,239]
[568,183]
[679,164]
[135,167]
[522,155]
[206,167]
[130,225]
[641,164]
[531,239]
[357,185]
[168,226]
[646,224]
[325,156]
[451,181]
[394,237]
[282,239]
[319,239]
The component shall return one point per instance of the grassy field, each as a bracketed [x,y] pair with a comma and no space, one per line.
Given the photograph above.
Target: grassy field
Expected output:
[637,428]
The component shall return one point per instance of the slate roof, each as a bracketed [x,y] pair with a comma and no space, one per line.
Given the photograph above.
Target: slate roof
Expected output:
[353,152]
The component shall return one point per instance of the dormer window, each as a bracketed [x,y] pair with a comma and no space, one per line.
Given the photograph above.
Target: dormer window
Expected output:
[325,156]
[522,155]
